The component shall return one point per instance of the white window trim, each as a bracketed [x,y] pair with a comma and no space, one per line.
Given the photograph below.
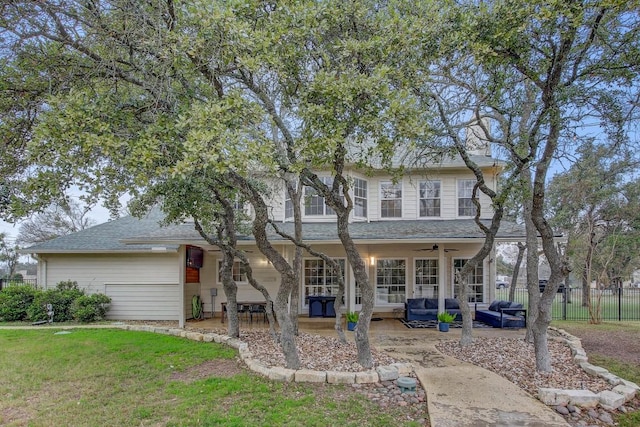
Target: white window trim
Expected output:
[458,197]
[218,271]
[419,198]
[415,269]
[353,195]
[380,199]
[305,303]
[407,271]
[453,279]
[324,203]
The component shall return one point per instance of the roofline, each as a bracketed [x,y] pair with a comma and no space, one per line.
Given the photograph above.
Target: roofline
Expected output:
[99,251]
[320,242]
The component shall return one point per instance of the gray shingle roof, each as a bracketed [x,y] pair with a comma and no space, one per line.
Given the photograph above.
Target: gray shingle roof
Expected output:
[379,231]
[131,234]
[104,237]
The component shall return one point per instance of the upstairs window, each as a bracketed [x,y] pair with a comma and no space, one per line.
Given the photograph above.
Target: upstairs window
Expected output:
[429,198]
[390,200]
[288,206]
[465,194]
[314,203]
[360,197]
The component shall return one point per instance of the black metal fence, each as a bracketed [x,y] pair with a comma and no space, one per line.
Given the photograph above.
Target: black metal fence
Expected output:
[616,304]
[5,283]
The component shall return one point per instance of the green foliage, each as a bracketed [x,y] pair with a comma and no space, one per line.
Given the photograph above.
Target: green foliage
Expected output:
[352,316]
[15,301]
[446,317]
[60,298]
[90,308]
[19,303]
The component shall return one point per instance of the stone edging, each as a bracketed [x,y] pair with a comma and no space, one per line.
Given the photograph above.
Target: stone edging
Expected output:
[622,391]
[277,373]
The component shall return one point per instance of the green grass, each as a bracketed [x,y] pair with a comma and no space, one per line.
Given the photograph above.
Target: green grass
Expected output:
[122,378]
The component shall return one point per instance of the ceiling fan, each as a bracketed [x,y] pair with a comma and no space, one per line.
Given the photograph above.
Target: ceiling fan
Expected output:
[218,250]
[434,248]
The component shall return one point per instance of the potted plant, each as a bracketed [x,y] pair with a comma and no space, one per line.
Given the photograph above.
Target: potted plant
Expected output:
[444,319]
[352,320]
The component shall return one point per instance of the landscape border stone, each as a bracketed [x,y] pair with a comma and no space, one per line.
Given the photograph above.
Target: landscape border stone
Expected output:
[278,373]
[622,392]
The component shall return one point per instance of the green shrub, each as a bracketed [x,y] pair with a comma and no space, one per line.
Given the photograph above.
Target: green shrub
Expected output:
[14,302]
[61,298]
[446,317]
[91,308]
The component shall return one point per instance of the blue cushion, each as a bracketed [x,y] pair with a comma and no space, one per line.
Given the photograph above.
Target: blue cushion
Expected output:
[414,303]
[451,303]
[431,303]
[505,304]
[495,305]
[420,311]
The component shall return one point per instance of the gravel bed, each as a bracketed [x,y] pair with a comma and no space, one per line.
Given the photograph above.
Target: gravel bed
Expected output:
[515,360]
[316,352]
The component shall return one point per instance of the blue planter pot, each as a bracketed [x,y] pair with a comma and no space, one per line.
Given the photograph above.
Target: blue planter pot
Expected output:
[443,327]
[351,326]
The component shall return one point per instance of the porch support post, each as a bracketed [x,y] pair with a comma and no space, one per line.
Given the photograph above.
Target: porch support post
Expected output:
[182,274]
[442,271]
[489,284]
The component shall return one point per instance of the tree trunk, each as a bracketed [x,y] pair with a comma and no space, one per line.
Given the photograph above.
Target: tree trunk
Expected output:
[541,346]
[288,276]
[230,290]
[368,296]
[516,271]
[463,297]
[533,259]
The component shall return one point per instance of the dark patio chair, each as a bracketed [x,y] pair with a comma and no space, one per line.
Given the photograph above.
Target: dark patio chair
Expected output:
[259,311]
[243,311]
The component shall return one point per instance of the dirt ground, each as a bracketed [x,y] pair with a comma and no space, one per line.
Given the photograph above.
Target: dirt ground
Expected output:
[622,345]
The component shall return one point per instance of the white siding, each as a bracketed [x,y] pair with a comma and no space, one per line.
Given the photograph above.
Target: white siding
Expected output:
[142,286]
[93,271]
[143,302]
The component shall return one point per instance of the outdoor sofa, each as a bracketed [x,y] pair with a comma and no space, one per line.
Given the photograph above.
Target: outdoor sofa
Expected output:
[427,308]
[503,314]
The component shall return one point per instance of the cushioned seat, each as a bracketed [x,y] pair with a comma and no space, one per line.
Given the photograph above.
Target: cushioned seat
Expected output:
[503,314]
[427,308]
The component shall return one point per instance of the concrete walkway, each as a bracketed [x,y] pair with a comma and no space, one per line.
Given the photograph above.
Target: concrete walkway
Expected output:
[460,394]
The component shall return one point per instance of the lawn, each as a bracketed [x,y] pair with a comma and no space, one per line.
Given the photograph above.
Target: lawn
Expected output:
[110,377]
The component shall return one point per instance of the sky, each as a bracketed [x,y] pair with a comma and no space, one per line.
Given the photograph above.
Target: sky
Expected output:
[99,214]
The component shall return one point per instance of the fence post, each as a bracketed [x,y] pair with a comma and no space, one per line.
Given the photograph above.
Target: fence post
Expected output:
[620,303]
[564,303]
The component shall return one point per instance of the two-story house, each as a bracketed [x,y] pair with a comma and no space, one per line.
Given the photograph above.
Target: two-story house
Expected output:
[414,233]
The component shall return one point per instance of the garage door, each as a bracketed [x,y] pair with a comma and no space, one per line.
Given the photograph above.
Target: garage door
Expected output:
[143,302]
